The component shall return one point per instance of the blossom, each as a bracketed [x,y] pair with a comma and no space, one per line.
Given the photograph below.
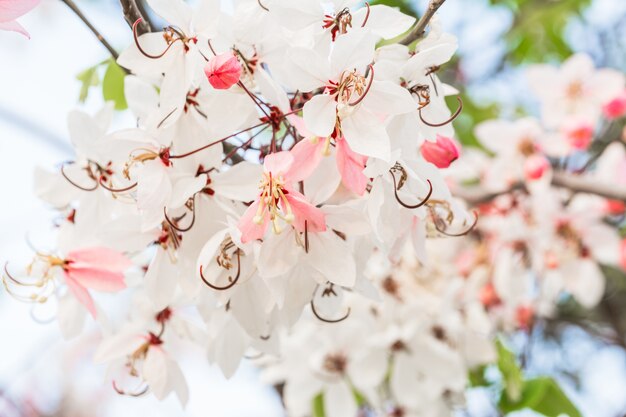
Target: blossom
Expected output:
[440,153]
[576,89]
[223,71]
[278,200]
[615,108]
[11,10]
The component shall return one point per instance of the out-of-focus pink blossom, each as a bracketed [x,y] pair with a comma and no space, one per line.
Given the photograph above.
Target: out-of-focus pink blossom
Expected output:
[535,167]
[614,207]
[223,71]
[440,153]
[489,296]
[524,316]
[615,108]
[11,10]
[623,254]
[579,135]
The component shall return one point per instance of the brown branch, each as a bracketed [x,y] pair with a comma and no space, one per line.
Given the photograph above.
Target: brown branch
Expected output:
[420,27]
[574,183]
[77,12]
[132,13]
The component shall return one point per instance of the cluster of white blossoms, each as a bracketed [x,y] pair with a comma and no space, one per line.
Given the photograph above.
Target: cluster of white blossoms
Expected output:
[536,238]
[284,194]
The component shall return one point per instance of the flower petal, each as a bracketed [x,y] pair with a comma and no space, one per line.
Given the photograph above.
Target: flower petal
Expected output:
[320,115]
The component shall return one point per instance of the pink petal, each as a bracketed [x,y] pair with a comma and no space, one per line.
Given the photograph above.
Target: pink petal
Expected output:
[81,294]
[12,9]
[96,278]
[278,163]
[223,71]
[440,153]
[249,229]
[306,157]
[99,257]
[13,26]
[623,254]
[350,165]
[304,211]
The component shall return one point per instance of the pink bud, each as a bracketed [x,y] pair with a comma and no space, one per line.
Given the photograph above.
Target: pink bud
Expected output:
[223,71]
[615,108]
[440,153]
[579,135]
[535,166]
[525,316]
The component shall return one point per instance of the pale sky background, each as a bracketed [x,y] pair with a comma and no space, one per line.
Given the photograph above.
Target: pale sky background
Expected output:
[38,88]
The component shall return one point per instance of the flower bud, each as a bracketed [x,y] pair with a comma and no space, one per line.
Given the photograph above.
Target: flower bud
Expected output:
[579,135]
[535,167]
[223,71]
[615,108]
[525,316]
[440,153]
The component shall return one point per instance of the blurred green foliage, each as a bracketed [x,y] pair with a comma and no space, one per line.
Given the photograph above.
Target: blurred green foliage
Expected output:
[538,27]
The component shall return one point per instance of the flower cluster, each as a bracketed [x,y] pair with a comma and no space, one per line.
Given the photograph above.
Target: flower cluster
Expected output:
[537,238]
[284,190]
[276,149]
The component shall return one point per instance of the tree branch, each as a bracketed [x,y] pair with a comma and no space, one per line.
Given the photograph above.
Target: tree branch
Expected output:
[420,27]
[576,184]
[77,12]
[132,13]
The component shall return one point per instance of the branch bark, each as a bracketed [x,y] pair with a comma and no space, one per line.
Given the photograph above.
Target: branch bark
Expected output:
[420,27]
[574,183]
[132,12]
[103,41]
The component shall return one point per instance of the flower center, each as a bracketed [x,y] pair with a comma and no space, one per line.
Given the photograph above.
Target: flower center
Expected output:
[335,363]
[351,86]
[273,196]
[339,23]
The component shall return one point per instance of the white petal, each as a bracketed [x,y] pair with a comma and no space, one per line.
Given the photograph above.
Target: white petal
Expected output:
[339,401]
[174,12]
[366,135]
[354,50]
[330,255]
[238,182]
[320,114]
[386,22]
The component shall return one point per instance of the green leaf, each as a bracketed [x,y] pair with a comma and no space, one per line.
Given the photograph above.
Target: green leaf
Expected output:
[477,377]
[544,396]
[511,373]
[318,405]
[88,78]
[113,85]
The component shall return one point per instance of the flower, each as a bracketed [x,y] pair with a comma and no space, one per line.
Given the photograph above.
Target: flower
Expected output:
[11,10]
[440,153]
[278,200]
[223,71]
[615,108]
[536,166]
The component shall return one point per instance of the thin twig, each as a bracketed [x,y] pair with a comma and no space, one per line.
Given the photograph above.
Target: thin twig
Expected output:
[574,183]
[133,12]
[420,27]
[77,12]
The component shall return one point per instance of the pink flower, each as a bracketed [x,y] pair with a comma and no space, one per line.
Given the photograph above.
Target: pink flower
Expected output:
[615,108]
[525,316]
[440,153]
[579,135]
[11,10]
[223,71]
[278,200]
[535,167]
[623,254]
[99,269]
